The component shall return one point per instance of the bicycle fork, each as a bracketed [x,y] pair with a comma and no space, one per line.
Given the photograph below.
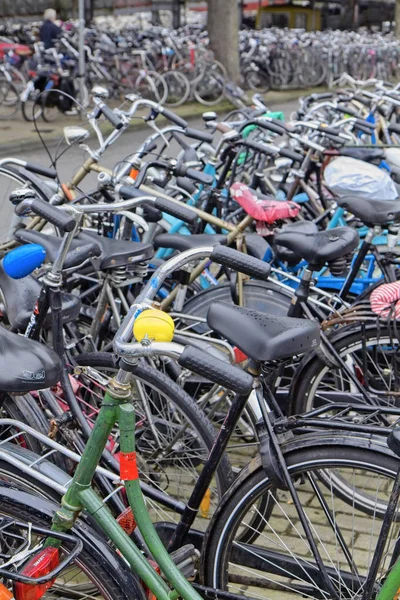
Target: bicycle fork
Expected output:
[116,406]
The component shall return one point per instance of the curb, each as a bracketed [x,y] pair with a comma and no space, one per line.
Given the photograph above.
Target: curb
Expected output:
[189,111]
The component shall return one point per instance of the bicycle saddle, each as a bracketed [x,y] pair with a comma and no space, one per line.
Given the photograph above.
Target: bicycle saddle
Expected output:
[321,247]
[26,364]
[372,212]
[262,208]
[287,255]
[118,253]
[178,241]
[79,251]
[112,253]
[20,296]
[262,336]
[365,154]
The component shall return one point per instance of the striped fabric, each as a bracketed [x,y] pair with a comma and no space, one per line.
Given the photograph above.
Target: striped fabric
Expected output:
[384,297]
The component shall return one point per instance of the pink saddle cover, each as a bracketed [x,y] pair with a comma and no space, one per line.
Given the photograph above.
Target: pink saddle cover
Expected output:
[384,297]
[268,211]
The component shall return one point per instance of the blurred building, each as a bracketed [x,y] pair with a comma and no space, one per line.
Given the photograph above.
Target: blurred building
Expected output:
[304,14]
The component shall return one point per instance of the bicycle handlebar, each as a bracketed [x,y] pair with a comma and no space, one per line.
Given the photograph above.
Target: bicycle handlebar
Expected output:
[49,212]
[122,341]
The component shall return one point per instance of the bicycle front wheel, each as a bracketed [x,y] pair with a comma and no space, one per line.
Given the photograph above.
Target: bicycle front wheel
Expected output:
[173,435]
[257,547]
[90,575]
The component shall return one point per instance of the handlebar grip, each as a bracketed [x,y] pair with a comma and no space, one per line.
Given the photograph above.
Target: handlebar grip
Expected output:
[216,370]
[363,128]
[53,215]
[202,136]
[171,116]
[347,110]
[199,176]
[223,128]
[39,170]
[362,99]
[295,156]
[321,96]
[327,129]
[336,139]
[238,261]
[258,147]
[274,127]
[180,211]
[365,123]
[130,191]
[111,116]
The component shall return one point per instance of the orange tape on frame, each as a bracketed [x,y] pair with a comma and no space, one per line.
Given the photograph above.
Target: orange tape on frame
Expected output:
[128,466]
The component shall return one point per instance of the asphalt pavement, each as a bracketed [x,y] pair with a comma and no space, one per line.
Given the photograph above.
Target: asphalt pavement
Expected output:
[74,157]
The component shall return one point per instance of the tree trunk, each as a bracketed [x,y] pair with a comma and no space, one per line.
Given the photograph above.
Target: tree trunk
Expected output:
[223,30]
[397,18]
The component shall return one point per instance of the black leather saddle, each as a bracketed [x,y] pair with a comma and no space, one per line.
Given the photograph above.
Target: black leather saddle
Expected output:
[112,253]
[79,251]
[26,365]
[286,255]
[118,253]
[321,247]
[177,241]
[372,212]
[365,154]
[261,336]
[20,296]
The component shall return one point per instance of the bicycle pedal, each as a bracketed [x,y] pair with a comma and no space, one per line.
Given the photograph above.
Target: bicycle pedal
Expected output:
[186,559]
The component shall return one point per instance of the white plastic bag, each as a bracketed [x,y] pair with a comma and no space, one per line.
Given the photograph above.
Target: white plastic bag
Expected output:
[347,176]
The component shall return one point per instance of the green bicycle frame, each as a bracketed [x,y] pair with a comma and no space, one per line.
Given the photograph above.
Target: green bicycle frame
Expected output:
[117,407]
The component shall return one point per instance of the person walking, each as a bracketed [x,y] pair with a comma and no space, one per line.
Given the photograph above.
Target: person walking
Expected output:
[49,31]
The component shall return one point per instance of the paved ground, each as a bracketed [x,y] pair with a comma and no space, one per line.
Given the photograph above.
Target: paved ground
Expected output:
[74,156]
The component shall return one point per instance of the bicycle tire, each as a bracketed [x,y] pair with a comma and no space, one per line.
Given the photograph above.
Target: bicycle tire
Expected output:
[104,576]
[257,81]
[151,86]
[258,295]
[178,88]
[279,553]
[177,398]
[9,99]
[313,369]
[31,111]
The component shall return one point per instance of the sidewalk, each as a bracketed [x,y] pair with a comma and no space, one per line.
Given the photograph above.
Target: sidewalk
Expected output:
[18,136]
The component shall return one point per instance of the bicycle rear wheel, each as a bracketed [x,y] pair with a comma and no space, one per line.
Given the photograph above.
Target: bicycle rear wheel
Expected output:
[256,545]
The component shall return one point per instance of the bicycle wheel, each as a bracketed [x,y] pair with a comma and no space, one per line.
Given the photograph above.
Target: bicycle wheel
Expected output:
[31,106]
[256,545]
[151,86]
[91,574]
[9,99]
[209,88]
[257,80]
[173,436]
[371,356]
[178,88]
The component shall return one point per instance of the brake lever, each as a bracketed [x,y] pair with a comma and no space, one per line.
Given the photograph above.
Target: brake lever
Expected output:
[152,124]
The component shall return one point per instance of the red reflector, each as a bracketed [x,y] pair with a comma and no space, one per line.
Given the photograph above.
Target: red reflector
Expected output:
[40,564]
[239,355]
